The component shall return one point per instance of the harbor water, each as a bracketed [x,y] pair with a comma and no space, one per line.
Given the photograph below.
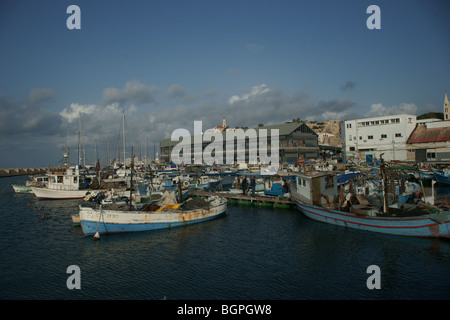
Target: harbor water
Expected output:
[250,253]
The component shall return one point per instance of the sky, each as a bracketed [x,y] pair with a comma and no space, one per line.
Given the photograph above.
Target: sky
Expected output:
[165,64]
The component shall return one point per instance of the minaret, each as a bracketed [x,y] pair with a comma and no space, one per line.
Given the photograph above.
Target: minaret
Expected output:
[224,122]
[446,108]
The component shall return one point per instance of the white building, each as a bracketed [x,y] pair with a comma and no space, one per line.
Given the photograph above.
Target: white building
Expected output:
[367,138]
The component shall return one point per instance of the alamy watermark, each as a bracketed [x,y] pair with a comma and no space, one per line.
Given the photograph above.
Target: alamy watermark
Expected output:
[74,280]
[214,153]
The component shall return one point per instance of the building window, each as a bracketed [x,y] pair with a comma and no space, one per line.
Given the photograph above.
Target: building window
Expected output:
[352,148]
[360,138]
[431,155]
[398,135]
[383,136]
[370,137]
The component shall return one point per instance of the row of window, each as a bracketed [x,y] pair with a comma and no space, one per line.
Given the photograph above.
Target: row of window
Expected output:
[383,136]
[377,122]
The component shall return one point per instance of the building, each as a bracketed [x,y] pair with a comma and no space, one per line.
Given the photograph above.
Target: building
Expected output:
[296,141]
[368,138]
[430,141]
[446,108]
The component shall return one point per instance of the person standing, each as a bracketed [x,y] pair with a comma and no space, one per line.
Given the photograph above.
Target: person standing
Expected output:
[253,186]
[244,186]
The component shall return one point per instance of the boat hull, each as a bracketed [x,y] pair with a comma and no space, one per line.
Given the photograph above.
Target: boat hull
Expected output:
[442,179]
[113,221]
[420,226]
[45,193]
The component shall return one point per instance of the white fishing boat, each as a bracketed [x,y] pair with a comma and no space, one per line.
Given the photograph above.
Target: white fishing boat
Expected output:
[62,185]
[96,221]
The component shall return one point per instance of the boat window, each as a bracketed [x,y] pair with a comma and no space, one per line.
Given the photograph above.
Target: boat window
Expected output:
[75,179]
[304,182]
[59,179]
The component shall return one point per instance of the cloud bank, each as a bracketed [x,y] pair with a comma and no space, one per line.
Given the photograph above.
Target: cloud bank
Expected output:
[152,114]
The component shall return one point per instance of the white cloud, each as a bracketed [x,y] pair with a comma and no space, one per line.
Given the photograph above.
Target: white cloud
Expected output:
[377,109]
[71,112]
[134,91]
[254,92]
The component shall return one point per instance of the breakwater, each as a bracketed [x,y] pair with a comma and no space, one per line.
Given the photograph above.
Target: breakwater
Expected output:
[12,172]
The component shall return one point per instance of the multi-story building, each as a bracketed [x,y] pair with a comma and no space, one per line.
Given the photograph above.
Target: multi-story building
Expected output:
[368,138]
[296,141]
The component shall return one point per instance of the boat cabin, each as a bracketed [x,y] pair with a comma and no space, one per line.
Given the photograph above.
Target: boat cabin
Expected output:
[68,180]
[316,188]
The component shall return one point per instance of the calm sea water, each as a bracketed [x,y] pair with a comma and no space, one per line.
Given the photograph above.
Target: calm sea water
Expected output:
[251,253]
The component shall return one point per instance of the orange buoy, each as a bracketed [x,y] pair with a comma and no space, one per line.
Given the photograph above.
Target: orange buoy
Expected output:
[29,204]
[43,216]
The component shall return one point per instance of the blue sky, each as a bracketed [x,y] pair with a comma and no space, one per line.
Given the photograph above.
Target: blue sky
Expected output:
[168,63]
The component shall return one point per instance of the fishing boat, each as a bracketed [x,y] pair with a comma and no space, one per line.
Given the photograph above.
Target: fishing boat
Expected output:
[62,185]
[168,212]
[96,221]
[315,196]
[442,178]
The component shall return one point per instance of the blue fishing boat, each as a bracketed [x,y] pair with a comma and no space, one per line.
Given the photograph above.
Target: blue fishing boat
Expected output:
[442,178]
[427,225]
[95,221]
[408,220]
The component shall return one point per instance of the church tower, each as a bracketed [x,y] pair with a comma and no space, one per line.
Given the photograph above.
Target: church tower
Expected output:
[446,108]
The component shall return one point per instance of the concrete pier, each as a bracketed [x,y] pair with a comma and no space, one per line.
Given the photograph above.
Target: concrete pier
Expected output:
[11,172]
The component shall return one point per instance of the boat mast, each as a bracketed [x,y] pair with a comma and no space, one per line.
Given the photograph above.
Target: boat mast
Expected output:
[384,182]
[131,177]
[123,134]
[79,136]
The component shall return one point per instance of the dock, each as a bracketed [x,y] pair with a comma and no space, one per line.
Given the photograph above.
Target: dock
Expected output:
[240,199]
